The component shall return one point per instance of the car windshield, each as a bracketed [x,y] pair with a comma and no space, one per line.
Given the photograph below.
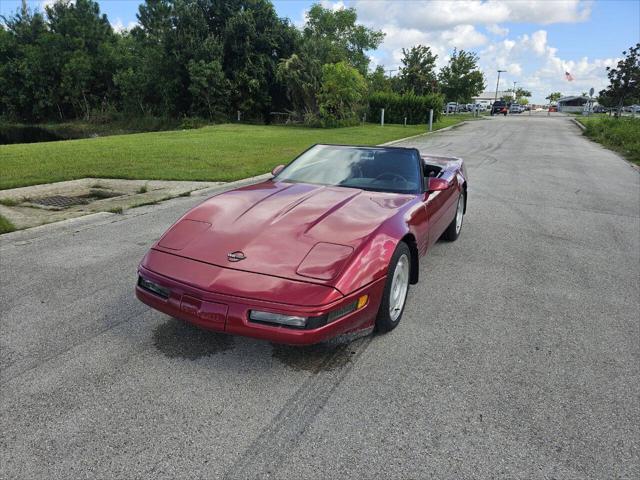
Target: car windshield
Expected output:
[393,170]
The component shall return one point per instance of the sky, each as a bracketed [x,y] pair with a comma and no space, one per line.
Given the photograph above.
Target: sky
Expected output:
[536,42]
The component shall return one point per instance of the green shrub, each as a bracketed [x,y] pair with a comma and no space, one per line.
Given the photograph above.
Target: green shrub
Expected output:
[189,123]
[396,107]
[314,120]
[341,96]
[619,134]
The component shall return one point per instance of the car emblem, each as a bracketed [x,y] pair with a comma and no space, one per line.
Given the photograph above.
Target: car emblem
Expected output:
[235,256]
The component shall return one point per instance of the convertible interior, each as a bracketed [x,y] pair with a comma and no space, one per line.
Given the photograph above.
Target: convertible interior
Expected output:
[431,170]
[376,169]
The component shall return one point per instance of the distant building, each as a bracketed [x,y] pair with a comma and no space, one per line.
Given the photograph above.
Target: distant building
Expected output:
[487,98]
[572,104]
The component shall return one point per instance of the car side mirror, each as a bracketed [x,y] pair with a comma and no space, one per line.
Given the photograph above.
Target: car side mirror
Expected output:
[277,170]
[437,184]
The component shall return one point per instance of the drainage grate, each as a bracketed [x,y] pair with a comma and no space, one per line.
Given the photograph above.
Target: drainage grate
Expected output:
[60,201]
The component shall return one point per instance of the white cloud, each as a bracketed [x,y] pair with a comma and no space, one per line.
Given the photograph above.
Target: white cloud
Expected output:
[463,36]
[537,42]
[49,3]
[441,42]
[497,30]
[514,69]
[544,69]
[333,6]
[120,27]
[479,26]
[442,14]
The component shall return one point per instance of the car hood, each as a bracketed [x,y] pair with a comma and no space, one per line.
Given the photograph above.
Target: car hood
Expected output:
[271,227]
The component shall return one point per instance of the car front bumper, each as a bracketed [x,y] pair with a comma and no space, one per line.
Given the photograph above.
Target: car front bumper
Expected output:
[212,310]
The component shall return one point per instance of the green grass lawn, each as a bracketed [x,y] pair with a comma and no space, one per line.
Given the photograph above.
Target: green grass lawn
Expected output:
[619,134]
[215,153]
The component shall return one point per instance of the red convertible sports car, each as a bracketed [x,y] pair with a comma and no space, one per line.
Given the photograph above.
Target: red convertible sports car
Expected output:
[327,246]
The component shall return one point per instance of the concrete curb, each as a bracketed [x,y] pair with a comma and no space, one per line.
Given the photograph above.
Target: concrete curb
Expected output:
[231,185]
[32,233]
[582,127]
[29,234]
[393,142]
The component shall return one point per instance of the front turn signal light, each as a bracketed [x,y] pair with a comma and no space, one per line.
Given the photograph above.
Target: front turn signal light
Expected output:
[362,301]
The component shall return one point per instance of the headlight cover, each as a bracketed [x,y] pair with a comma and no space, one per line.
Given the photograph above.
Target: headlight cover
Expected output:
[324,261]
[182,233]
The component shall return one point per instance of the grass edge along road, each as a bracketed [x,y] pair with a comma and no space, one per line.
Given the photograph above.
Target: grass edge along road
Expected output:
[6,226]
[619,134]
[216,153]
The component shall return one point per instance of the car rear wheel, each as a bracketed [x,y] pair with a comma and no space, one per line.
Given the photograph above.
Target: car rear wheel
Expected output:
[394,297]
[453,230]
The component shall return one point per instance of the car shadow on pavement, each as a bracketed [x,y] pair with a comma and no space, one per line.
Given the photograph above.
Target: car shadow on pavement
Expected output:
[176,339]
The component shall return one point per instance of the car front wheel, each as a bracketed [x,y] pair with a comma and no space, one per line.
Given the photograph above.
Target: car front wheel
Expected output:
[395,290]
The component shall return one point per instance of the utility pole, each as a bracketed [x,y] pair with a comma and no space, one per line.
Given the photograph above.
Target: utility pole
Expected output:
[497,85]
[390,71]
[514,91]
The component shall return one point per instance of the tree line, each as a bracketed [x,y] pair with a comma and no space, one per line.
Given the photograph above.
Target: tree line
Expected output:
[624,81]
[212,59]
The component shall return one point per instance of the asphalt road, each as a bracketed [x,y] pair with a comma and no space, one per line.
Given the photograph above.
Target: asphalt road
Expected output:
[517,357]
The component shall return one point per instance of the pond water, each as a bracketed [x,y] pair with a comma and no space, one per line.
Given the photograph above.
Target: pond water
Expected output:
[26,134]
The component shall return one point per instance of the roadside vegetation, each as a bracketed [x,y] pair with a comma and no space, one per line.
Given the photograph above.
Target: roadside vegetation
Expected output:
[113,124]
[619,134]
[66,68]
[6,226]
[215,153]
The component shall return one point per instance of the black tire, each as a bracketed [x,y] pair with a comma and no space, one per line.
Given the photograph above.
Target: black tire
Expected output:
[452,232]
[384,321]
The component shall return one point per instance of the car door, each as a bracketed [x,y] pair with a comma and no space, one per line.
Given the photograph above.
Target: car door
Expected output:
[441,206]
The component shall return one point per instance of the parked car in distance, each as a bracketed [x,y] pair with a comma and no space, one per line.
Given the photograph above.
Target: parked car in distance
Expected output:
[553,108]
[328,246]
[499,106]
[451,107]
[515,108]
[634,109]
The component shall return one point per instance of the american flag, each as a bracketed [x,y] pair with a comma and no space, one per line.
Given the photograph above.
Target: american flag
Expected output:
[568,76]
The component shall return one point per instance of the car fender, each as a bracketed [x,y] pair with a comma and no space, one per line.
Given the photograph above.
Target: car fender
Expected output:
[370,260]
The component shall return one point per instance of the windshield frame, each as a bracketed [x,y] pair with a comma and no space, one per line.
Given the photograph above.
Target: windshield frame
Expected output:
[418,161]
